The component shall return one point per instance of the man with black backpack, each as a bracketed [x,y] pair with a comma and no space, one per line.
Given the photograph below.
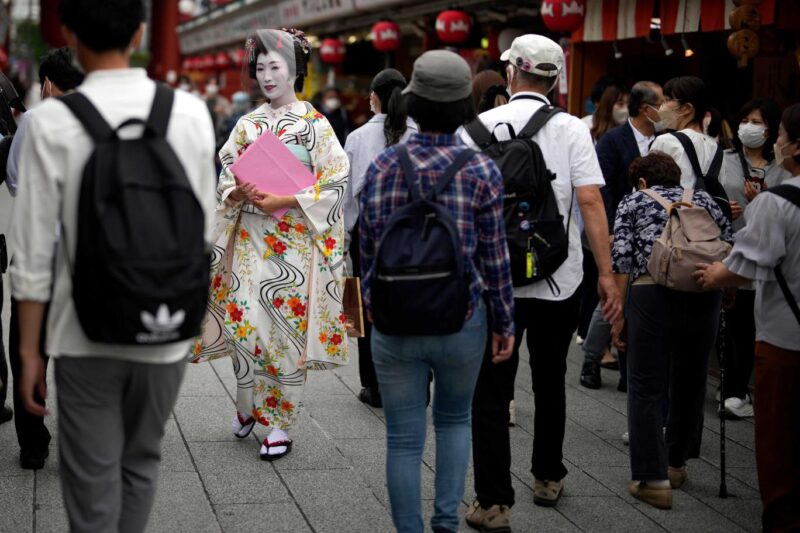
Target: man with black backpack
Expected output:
[546,257]
[125,167]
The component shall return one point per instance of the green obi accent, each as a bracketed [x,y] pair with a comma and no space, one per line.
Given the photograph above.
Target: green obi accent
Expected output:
[302,154]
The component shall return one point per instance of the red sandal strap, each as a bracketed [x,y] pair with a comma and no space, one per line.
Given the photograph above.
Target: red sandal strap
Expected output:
[244,421]
[276,444]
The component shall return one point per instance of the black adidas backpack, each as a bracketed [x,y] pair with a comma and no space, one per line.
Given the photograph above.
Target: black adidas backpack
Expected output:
[420,285]
[537,241]
[141,272]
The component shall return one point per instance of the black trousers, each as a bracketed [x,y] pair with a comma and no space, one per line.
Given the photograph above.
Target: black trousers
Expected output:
[670,337]
[3,364]
[366,369]
[740,344]
[549,327]
[32,434]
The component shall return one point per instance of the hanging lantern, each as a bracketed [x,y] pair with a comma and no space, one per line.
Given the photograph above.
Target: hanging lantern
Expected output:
[206,62]
[222,60]
[563,15]
[186,64]
[332,51]
[238,56]
[386,36]
[453,27]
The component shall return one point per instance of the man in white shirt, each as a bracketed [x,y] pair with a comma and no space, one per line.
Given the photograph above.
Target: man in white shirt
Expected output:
[59,76]
[113,400]
[549,314]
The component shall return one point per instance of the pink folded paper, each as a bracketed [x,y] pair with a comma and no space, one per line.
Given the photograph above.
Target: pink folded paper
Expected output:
[272,167]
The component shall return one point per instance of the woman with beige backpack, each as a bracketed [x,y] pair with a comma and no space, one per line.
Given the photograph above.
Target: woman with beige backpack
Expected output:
[660,233]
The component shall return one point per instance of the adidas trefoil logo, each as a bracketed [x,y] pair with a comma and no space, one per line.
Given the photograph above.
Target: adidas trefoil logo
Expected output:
[163,327]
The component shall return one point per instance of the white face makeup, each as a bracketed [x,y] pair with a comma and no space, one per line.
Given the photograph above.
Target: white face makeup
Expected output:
[274,79]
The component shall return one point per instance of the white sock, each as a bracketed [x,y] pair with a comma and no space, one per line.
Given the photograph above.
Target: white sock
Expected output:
[277,435]
[657,483]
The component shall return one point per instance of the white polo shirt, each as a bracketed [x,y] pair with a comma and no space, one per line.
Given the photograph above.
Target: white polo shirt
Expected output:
[705,147]
[569,152]
[54,151]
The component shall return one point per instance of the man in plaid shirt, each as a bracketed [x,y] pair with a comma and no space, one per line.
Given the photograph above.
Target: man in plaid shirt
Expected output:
[439,99]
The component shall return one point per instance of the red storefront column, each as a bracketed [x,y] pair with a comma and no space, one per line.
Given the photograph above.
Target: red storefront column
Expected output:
[50,23]
[165,53]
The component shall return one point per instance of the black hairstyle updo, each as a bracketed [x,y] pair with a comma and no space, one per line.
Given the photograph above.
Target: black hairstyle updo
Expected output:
[302,54]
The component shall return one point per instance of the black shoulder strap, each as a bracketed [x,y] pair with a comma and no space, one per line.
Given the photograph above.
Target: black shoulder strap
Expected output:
[408,171]
[88,115]
[452,170]
[539,119]
[691,153]
[716,164]
[160,113]
[792,194]
[479,133]
[744,163]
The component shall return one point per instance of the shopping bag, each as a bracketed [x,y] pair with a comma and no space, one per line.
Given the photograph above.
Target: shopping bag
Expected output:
[353,307]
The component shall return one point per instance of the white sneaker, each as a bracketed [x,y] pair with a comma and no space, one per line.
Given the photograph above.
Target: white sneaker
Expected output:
[625,438]
[241,426]
[578,340]
[739,407]
[512,415]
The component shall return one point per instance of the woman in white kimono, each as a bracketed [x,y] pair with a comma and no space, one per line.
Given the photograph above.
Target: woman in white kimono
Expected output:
[275,302]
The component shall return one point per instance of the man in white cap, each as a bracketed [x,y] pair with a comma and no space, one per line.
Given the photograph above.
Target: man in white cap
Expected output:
[550,316]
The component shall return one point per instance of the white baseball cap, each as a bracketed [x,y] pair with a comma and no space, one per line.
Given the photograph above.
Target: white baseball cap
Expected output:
[535,54]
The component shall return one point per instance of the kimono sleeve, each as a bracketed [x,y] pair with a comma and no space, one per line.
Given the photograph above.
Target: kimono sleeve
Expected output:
[322,203]
[228,154]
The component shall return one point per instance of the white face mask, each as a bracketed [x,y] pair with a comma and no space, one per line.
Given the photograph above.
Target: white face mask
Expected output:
[272,74]
[620,115]
[780,157]
[752,135]
[657,124]
[332,104]
[185,87]
[669,117]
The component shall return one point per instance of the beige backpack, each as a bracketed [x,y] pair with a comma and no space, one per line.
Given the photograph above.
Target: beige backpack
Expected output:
[690,236]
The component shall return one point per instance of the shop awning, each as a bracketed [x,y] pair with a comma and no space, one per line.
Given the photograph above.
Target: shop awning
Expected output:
[614,20]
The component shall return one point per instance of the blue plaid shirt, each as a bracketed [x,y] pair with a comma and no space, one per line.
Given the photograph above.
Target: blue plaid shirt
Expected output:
[475,199]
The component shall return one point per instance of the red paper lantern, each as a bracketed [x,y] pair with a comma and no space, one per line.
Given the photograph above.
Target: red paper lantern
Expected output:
[239,56]
[386,36]
[222,60]
[453,27]
[563,15]
[332,51]
[206,62]
[186,64]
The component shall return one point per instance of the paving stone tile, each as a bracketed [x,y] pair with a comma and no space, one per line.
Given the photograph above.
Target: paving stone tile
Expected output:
[337,501]
[48,488]
[277,517]
[747,475]
[51,519]
[325,383]
[582,448]
[345,417]
[16,503]
[201,380]
[181,505]
[604,513]
[233,473]
[688,514]
[204,420]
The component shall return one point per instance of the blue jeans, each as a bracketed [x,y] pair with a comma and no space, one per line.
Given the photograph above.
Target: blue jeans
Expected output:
[402,365]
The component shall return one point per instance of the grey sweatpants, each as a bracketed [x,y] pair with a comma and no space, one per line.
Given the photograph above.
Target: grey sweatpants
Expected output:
[111,417]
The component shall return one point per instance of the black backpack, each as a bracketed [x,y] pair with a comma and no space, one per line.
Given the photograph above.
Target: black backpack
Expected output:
[792,194]
[141,272]
[710,180]
[420,284]
[538,242]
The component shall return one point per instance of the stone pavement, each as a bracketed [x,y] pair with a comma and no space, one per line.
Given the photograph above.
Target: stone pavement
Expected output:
[334,479]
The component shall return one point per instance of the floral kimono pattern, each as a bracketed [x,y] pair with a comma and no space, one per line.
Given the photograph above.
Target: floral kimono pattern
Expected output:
[275,302]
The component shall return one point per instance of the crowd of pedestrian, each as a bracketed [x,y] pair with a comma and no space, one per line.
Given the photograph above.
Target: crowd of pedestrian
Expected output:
[477,216]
